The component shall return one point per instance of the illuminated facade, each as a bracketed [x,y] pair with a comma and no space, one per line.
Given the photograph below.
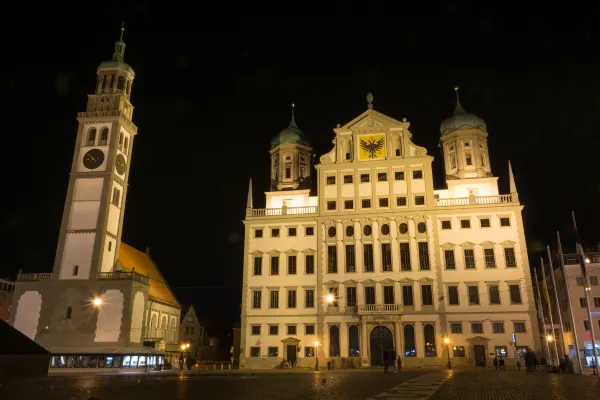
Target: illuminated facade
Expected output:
[379,260]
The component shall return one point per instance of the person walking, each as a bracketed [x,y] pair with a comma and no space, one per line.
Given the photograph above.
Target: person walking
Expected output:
[496,363]
[399,362]
[501,364]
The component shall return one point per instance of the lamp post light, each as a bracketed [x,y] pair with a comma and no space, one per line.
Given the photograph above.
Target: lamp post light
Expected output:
[316,355]
[97,301]
[447,342]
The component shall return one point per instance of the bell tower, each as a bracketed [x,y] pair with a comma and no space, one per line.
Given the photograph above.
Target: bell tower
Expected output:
[92,223]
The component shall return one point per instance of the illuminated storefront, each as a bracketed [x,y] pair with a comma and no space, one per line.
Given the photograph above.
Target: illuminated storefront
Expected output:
[108,361]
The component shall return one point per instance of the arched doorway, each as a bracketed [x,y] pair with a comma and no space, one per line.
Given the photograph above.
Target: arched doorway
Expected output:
[381,339]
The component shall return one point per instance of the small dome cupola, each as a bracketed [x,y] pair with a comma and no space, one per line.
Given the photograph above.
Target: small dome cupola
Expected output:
[460,118]
[292,134]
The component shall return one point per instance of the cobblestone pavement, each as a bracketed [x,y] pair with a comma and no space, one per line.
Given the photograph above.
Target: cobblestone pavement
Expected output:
[517,385]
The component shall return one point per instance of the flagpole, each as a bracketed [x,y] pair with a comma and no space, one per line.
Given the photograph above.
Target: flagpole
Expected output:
[581,255]
[560,320]
[549,310]
[541,308]
[573,325]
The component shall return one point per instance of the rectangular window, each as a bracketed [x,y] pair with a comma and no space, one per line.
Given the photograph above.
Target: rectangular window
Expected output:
[586,325]
[254,351]
[465,223]
[273,351]
[405,257]
[364,178]
[424,256]
[309,329]
[257,265]
[427,295]
[383,202]
[331,205]
[310,264]
[501,351]
[446,225]
[366,203]
[275,232]
[519,327]
[255,329]
[476,327]
[273,330]
[490,259]
[309,298]
[347,178]
[291,231]
[473,295]
[350,262]
[498,327]
[291,329]
[579,280]
[494,294]
[453,295]
[386,257]
[368,257]
[583,302]
[351,296]
[369,295]
[291,265]
[469,259]
[399,175]
[382,177]
[332,259]
[509,256]
[309,352]
[333,291]
[258,233]
[597,302]
[274,265]
[484,222]
[449,258]
[331,180]
[515,294]
[256,297]
[309,231]
[418,174]
[348,204]
[456,327]
[401,201]
[505,221]
[593,280]
[407,295]
[459,351]
[419,200]
[291,300]
[388,295]
[274,299]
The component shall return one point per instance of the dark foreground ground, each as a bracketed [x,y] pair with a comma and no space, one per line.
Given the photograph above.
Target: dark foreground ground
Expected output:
[322,385]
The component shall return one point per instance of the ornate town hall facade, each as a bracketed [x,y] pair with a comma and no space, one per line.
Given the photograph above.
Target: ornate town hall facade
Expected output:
[379,260]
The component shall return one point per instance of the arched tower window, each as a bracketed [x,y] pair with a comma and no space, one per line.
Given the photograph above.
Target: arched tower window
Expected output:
[68,313]
[116,197]
[103,137]
[121,141]
[397,145]
[121,83]
[91,137]
[163,322]
[75,270]
[126,145]
[468,159]
[129,87]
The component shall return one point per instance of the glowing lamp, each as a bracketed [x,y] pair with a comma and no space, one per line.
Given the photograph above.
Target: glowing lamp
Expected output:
[97,301]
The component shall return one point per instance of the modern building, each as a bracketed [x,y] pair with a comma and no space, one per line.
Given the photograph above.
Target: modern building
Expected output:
[378,260]
[6,295]
[192,333]
[105,304]
[577,288]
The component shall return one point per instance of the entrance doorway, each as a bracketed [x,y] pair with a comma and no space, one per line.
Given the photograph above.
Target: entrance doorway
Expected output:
[381,340]
[479,352]
[291,353]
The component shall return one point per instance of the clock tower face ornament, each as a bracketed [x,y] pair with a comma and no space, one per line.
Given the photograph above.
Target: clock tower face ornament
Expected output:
[93,159]
[372,147]
[121,164]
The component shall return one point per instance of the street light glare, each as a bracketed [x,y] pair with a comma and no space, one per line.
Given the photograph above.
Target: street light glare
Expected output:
[97,301]
[447,340]
[329,298]
[587,260]
[316,343]
[549,338]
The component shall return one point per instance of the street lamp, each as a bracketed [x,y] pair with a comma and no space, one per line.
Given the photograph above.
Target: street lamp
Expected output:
[549,338]
[330,298]
[447,342]
[316,355]
[97,301]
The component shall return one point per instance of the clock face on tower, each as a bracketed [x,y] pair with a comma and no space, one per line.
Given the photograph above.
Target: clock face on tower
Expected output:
[121,164]
[93,159]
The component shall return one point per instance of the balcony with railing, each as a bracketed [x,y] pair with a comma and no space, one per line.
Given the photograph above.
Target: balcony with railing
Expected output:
[123,275]
[477,200]
[379,309]
[34,276]
[277,212]
[168,334]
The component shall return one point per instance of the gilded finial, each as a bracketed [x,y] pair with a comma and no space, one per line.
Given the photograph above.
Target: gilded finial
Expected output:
[459,108]
[293,120]
[122,29]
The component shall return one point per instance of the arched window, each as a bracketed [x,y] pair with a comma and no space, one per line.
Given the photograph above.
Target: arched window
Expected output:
[163,322]
[288,173]
[347,156]
[334,341]
[429,338]
[104,82]
[103,137]
[482,161]
[409,341]
[121,140]
[75,270]
[121,84]
[452,161]
[468,159]
[128,87]
[91,137]
[116,197]
[68,314]
[126,145]
[153,321]
[353,342]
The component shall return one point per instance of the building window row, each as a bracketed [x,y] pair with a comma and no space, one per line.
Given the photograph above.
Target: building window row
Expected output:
[384,229]
[291,298]
[291,232]
[465,222]
[292,269]
[381,177]
[493,293]
[93,139]
[489,258]
[382,202]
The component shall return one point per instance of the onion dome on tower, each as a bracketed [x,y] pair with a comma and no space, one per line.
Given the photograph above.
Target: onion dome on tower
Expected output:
[292,134]
[460,118]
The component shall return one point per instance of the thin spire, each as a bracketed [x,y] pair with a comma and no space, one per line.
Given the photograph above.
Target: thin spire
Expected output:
[122,30]
[293,120]
[370,101]
[249,201]
[119,53]
[459,109]
[513,186]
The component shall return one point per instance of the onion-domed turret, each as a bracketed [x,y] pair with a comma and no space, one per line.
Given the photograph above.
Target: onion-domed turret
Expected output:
[460,118]
[292,134]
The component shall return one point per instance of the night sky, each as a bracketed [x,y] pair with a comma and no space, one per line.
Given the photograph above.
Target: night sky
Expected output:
[213,88]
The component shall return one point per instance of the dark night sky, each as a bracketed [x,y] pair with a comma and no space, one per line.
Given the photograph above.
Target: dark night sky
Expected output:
[212,89]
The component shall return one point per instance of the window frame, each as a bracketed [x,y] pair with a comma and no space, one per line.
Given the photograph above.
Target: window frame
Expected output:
[399,176]
[382,177]
[330,180]
[502,219]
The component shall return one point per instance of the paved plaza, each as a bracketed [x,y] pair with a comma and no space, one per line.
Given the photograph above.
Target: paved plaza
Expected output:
[323,385]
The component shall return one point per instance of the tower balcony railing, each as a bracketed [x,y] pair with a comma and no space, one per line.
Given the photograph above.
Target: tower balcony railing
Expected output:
[379,309]
[35,276]
[476,200]
[123,275]
[273,212]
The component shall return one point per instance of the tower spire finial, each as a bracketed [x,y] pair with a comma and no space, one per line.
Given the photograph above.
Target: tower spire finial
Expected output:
[249,200]
[293,120]
[119,53]
[459,108]
[122,29]
[511,178]
[370,100]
